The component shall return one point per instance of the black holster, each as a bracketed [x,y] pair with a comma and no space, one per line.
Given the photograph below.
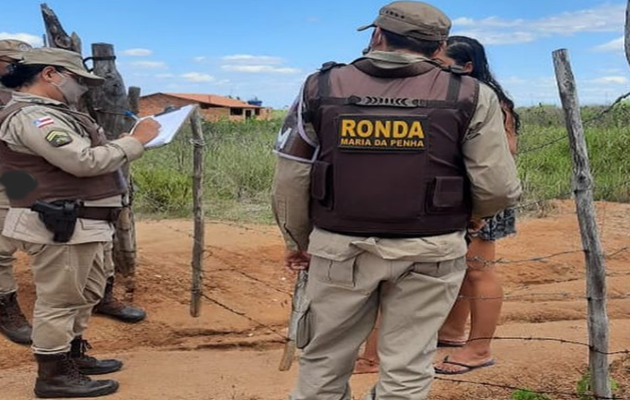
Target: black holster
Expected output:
[59,217]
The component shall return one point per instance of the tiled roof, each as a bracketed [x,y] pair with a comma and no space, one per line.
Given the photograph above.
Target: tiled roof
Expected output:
[212,99]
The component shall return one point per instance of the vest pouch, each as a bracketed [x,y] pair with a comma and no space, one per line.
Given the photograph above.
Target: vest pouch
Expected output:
[446,194]
[321,182]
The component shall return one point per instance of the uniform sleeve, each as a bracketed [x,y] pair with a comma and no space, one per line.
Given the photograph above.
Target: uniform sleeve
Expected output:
[55,139]
[296,149]
[490,166]
[297,139]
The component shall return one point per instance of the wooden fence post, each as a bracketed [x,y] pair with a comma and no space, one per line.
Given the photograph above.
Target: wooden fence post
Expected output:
[199,231]
[108,103]
[594,255]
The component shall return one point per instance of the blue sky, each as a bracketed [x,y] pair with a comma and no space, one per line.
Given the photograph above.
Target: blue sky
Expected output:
[250,48]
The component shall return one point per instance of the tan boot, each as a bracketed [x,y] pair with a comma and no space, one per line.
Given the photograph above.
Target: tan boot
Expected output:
[114,308]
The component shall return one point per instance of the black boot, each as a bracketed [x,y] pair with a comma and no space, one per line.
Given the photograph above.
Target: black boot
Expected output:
[13,323]
[112,307]
[90,365]
[58,377]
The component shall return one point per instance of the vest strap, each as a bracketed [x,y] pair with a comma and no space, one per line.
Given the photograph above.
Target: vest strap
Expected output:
[371,101]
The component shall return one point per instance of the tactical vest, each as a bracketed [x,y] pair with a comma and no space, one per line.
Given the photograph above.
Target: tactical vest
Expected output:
[52,182]
[390,162]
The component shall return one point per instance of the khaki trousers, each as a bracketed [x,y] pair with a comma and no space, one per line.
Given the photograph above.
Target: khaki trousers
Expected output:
[414,298]
[69,281]
[7,250]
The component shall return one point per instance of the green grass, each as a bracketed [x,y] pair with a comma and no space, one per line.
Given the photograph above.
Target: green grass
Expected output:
[239,165]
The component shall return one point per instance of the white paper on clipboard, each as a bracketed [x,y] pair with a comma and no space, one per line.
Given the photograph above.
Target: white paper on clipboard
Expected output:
[171,123]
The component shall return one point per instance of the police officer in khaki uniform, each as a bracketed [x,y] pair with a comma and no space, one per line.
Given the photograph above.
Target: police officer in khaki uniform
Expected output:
[65,223]
[382,164]
[13,323]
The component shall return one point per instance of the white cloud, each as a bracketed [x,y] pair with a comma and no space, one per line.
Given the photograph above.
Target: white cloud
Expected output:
[199,59]
[489,37]
[252,60]
[33,40]
[197,77]
[137,52]
[495,30]
[149,64]
[615,45]
[611,80]
[256,69]
[164,76]
[543,89]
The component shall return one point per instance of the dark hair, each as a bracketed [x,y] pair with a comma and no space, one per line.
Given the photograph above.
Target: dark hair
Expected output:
[19,75]
[400,42]
[463,49]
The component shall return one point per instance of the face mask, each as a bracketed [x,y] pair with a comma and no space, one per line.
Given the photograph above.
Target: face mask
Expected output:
[70,89]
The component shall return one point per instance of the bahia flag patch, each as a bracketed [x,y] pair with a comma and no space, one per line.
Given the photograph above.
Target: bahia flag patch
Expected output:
[44,121]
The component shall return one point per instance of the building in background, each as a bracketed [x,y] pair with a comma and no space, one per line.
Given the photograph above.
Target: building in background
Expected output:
[211,107]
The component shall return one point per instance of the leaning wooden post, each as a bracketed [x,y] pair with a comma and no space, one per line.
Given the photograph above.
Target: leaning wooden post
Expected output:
[199,234]
[595,264]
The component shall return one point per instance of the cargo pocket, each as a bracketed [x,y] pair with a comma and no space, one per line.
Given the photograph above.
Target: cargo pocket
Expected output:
[303,334]
[321,182]
[338,273]
[446,194]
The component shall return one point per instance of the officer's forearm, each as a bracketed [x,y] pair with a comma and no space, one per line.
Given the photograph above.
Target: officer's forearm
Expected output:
[290,202]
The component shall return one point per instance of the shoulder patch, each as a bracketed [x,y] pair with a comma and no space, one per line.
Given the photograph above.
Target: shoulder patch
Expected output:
[58,138]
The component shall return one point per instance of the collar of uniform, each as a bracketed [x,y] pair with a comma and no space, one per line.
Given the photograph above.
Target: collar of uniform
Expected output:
[394,58]
[31,98]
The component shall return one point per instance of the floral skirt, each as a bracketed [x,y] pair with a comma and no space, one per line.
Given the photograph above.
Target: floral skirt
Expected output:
[501,225]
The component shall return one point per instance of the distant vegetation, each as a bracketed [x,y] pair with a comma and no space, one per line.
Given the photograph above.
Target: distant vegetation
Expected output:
[240,165]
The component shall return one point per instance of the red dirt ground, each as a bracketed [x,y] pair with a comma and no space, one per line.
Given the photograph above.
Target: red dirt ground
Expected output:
[225,355]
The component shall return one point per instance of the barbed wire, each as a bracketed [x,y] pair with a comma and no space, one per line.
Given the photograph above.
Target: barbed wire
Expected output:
[585,122]
[516,388]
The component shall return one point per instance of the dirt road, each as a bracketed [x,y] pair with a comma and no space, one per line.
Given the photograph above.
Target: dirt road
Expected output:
[233,349]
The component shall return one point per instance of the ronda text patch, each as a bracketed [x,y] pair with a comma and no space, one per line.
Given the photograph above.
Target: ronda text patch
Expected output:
[382,133]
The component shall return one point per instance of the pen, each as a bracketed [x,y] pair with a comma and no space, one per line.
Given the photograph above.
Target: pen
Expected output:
[132,115]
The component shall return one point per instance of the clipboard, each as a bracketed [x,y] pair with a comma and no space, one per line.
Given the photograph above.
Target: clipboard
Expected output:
[171,122]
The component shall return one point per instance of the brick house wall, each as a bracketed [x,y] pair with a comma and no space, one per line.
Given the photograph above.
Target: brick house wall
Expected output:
[153,104]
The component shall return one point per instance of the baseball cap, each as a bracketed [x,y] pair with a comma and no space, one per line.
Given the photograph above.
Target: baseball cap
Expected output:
[13,49]
[413,19]
[69,60]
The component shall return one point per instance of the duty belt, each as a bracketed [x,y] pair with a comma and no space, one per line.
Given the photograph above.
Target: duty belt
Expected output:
[99,213]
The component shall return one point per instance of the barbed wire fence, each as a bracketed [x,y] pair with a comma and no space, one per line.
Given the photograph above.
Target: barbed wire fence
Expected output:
[516,294]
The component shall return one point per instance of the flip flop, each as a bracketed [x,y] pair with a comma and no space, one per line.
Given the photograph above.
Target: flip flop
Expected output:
[450,343]
[468,367]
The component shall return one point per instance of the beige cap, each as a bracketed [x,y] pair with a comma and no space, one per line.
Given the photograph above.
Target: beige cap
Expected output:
[13,49]
[413,19]
[62,58]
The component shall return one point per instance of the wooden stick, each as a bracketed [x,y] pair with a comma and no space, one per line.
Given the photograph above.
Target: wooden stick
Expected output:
[298,309]
[199,234]
[594,254]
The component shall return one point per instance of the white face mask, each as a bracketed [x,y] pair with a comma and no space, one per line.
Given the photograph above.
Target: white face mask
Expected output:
[70,89]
